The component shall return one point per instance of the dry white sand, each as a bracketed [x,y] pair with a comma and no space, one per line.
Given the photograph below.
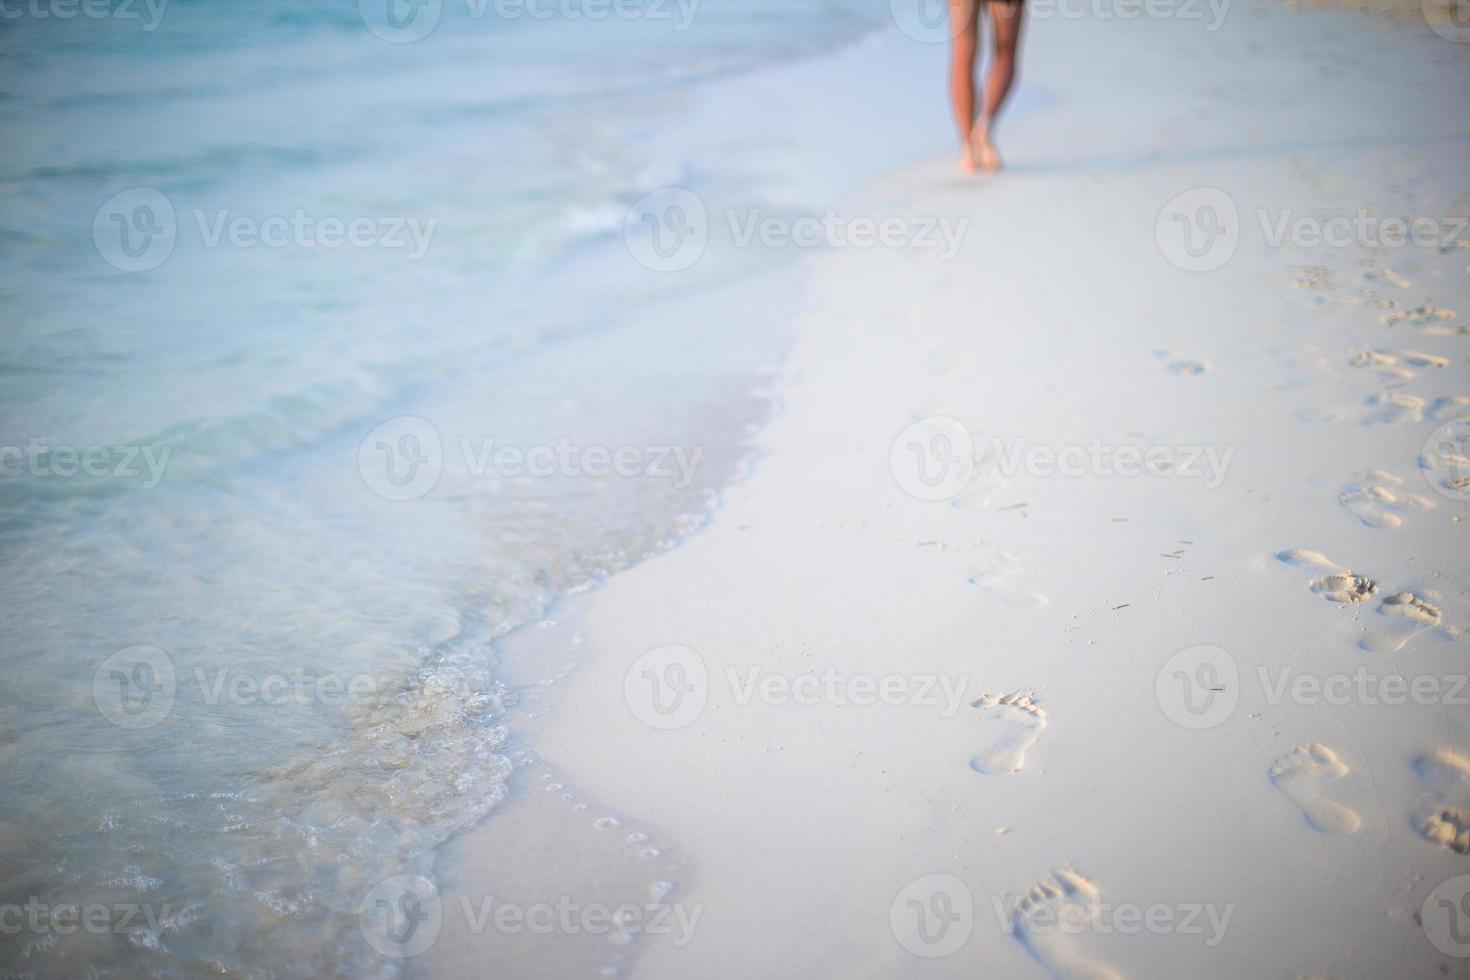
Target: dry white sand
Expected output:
[1044,744]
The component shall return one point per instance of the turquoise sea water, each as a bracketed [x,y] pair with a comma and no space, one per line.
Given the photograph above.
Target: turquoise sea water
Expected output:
[256,542]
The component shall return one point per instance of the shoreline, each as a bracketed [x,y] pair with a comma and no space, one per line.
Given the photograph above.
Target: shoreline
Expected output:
[1055,603]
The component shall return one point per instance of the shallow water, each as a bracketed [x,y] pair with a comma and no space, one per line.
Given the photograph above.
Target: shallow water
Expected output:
[248,616]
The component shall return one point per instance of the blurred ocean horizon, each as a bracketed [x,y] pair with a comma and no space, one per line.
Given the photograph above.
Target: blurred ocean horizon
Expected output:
[247,250]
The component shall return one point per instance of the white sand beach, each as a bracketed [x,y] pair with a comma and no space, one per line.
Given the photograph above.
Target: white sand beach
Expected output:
[570,488]
[1093,680]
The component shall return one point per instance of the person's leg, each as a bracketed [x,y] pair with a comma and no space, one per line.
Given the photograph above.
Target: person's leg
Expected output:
[1005,19]
[963,48]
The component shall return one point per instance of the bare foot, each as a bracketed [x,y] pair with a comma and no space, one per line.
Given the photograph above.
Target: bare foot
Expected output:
[967,160]
[985,151]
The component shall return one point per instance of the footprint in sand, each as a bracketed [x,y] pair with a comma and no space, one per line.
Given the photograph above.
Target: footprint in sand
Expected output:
[1390,363]
[939,363]
[1444,807]
[1303,774]
[1417,359]
[1447,330]
[1050,921]
[1382,362]
[1376,499]
[1405,616]
[1394,408]
[986,479]
[1337,584]
[1009,723]
[1387,275]
[1313,277]
[1178,364]
[1447,408]
[1302,363]
[991,573]
[1419,316]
